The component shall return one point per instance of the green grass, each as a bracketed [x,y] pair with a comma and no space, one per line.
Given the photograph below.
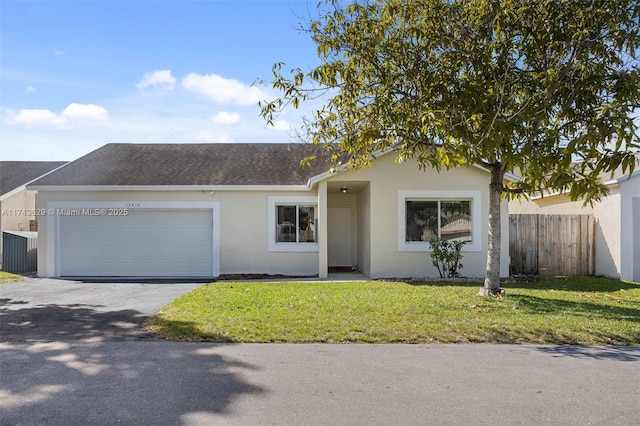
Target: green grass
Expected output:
[589,311]
[6,277]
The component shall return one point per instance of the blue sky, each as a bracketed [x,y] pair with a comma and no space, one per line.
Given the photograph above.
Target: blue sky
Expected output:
[75,75]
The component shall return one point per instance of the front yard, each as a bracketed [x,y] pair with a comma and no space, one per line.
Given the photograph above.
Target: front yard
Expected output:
[589,311]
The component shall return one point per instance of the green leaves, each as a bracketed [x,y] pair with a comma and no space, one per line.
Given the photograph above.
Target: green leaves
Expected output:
[528,86]
[446,256]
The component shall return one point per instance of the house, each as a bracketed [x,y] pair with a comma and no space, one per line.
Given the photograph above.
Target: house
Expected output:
[202,210]
[617,234]
[17,205]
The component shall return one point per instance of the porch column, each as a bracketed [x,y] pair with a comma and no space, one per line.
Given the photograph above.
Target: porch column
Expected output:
[323,258]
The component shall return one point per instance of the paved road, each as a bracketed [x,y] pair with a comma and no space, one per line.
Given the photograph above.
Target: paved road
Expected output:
[80,378]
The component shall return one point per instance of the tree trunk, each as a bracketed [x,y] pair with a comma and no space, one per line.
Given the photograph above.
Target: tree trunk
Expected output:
[492,276]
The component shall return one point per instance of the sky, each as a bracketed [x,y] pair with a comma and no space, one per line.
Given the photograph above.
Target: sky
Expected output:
[75,75]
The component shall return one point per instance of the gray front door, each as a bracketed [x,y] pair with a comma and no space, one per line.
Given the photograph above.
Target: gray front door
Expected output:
[339,234]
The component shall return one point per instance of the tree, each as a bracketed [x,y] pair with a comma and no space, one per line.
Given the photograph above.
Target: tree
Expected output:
[547,89]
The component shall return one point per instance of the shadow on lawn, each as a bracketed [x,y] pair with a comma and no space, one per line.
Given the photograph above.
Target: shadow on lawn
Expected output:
[585,284]
[182,331]
[540,305]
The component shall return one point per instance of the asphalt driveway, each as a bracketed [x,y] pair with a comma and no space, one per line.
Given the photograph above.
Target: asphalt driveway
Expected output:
[50,309]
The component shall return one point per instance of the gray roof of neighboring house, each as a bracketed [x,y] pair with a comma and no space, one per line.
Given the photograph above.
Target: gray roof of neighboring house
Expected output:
[14,174]
[191,164]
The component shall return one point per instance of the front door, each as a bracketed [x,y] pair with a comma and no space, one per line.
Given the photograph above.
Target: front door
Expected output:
[339,234]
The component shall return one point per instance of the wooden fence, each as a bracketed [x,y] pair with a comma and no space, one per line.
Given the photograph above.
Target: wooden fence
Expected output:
[551,244]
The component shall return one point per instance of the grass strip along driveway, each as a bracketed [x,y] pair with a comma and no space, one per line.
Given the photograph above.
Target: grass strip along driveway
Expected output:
[589,311]
[6,277]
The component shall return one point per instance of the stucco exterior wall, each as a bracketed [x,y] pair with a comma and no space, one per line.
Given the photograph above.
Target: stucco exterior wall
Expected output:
[387,179]
[12,212]
[629,189]
[364,230]
[13,220]
[608,233]
[555,204]
[243,227]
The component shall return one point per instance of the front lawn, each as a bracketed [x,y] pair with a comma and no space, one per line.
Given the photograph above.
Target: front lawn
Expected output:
[589,311]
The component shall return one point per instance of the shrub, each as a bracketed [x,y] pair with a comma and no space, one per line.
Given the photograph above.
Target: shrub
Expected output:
[445,255]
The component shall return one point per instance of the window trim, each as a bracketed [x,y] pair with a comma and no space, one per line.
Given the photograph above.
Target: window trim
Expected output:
[272,219]
[476,215]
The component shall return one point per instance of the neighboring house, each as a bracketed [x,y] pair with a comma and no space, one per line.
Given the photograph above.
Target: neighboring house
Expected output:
[201,210]
[617,236]
[17,205]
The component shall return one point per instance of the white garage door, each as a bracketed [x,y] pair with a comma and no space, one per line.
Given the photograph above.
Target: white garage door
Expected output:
[145,243]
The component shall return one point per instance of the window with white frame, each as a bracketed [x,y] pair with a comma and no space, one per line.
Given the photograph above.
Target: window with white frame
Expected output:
[293,223]
[428,215]
[428,220]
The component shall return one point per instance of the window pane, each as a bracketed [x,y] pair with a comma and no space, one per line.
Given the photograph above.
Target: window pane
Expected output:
[286,226]
[422,220]
[306,219]
[455,220]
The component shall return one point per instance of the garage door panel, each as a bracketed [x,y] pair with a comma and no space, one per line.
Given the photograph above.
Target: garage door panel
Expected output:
[134,270]
[178,254]
[149,243]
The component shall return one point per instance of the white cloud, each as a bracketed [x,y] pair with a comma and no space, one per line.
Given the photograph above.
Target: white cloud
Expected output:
[46,118]
[31,89]
[223,90]
[224,117]
[213,137]
[281,125]
[37,117]
[85,112]
[162,78]
[58,52]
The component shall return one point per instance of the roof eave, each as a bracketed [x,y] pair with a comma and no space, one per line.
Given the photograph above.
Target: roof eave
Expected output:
[74,188]
[623,178]
[510,177]
[11,193]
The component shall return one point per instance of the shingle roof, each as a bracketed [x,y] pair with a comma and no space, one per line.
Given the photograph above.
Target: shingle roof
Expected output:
[191,164]
[14,174]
